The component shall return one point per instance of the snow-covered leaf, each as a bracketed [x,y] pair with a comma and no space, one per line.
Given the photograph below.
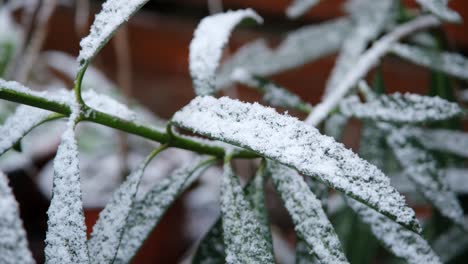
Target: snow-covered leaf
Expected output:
[59,97]
[295,50]
[242,231]
[334,126]
[299,7]
[207,45]
[19,124]
[113,14]
[450,141]
[311,222]
[273,94]
[400,241]
[421,167]
[107,232]
[147,212]
[13,243]
[440,9]
[447,62]
[452,243]
[400,108]
[370,18]
[303,253]
[294,143]
[66,234]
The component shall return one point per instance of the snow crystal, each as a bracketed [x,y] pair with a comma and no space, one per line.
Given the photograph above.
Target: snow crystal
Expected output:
[292,142]
[19,124]
[13,243]
[400,241]
[113,14]
[440,8]
[147,212]
[207,45]
[370,19]
[452,243]
[455,142]
[295,50]
[401,108]
[66,234]
[300,7]
[450,63]
[311,222]
[421,167]
[242,231]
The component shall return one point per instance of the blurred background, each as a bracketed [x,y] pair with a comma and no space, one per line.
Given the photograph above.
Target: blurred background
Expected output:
[148,60]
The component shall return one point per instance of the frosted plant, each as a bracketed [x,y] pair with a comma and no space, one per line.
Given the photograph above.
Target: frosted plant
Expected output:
[403,134]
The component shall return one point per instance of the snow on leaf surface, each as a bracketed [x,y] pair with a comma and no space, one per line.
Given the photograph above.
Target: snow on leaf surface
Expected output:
[19,124]
[66,234]
[285,139]
[295,50]
[440,9]
[369,17]
[303,253]
[455,142]
[207,45]
[300,7]
[146,213]
[13,243]
[450,63]
[107,232]
[273,94]
[311,222]
[113,14]
[242,231]
[400,241]
[452,243]
[58,97]
[421,167]
[400,108]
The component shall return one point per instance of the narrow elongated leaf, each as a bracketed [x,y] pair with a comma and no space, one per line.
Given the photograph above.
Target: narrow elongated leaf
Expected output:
[370,18]
[66,234]
[13,243]
[207,45]
[400,241]
[107,232]
[294,143]
[295,50]
[440,9]
[113,14]
[243,236]
[451,243]
[311,222]
[146,213]
[273,94]
[401,108]
[450,63]
[455,142]
[421,167]
[303,253]
[300,7]
[19,124]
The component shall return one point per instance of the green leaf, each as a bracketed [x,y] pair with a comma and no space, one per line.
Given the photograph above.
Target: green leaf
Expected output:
[13,243]
[452,64]
[243,234]
[400,108]
[294,143]
[303,253]
[311,222]
[114,13]
[107,232]
[207,45]
[273,94]
[440,9]
[66,233]
[421,167]
[400,241]
[19,124]
[147,212]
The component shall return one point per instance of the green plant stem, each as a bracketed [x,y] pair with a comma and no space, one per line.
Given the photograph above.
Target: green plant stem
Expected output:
[78,82]
[131,127]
